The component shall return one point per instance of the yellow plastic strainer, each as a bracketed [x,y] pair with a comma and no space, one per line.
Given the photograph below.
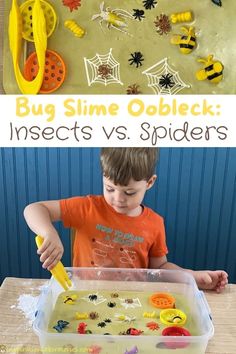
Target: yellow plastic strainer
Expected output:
[26,9]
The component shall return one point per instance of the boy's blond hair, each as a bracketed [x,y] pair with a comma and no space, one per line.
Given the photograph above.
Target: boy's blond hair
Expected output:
[122,164]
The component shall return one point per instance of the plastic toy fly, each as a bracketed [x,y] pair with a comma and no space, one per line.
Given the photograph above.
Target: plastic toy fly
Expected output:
[113,18]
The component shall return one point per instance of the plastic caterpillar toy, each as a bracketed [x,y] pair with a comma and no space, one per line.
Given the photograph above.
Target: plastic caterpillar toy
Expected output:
[75,28]
[150,314]
[81,316]
[181,17]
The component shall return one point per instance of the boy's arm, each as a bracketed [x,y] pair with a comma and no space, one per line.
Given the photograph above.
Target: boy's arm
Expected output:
[39,217]
[205,279]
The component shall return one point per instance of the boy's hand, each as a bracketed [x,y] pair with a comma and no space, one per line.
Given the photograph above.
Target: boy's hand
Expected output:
[51,251]
[211,280]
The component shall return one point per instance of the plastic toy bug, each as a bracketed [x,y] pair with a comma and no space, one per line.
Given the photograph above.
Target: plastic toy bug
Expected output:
[186,42]
[134,331]
[134,350]
[149,4]
[93,297]
[138,14]
[60,325]
[82,328]
[81,316]
[212,71]
[217,2]
[166,81]
[181,17]
[75,28]
[113,18]
[136,58]
[150,314]
[102,324]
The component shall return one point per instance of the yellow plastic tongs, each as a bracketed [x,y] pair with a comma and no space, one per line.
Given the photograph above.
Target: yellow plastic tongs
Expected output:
[58,272]
[40,41]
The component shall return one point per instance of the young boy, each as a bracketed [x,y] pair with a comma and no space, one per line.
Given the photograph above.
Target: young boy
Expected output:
[115,229]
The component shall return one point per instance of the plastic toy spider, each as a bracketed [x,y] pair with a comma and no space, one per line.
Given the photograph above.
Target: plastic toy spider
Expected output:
[137,58]
[163,25]
[102,324]
[104,71]
[93,315]
[133,90]
[165,81]
[138,14]
[149,4]
[93,297]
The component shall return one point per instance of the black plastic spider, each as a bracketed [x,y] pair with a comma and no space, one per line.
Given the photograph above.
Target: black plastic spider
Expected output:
[93,297]
[107,320]
[111,304]
[137,58]
[149,4]
[138,14]
[102,324]
[166,81]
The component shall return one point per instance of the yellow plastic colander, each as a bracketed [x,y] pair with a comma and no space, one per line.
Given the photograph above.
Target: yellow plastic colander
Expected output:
[26,10]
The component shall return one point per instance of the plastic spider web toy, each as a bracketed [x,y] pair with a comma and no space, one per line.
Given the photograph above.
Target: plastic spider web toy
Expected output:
[163,79]
[103,69]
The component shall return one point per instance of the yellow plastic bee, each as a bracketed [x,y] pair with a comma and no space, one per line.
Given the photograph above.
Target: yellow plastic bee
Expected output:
[114,18]
[70,300]
[212,71]
[186,42]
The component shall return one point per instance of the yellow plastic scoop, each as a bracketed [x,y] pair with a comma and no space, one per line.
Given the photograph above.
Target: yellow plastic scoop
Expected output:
[58,272]
[40,41]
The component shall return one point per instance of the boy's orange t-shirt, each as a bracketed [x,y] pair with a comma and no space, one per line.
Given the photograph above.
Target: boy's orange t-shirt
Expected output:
[105,238]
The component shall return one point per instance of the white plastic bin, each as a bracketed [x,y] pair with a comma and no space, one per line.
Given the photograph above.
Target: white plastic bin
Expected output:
[94,279]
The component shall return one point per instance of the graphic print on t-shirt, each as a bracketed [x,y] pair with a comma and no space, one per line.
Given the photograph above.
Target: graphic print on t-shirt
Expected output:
[114,244]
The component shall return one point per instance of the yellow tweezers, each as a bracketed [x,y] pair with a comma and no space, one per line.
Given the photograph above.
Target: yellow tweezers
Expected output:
[58,272]
[40,40]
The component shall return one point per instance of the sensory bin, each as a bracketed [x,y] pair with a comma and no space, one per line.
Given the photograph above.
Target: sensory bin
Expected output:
[127,47]
[124,311]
